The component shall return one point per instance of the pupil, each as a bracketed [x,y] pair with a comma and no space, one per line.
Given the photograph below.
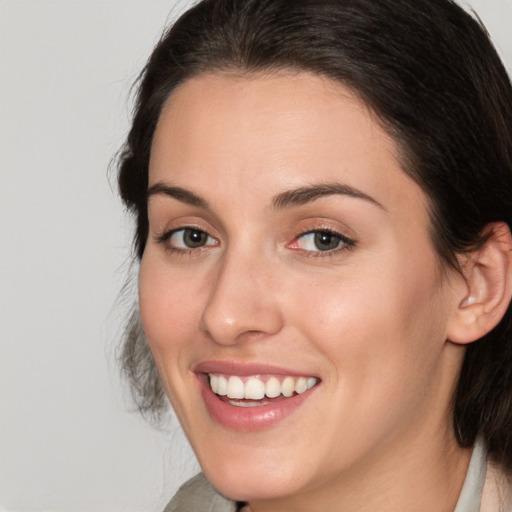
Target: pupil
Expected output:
[326,241]
[194,238]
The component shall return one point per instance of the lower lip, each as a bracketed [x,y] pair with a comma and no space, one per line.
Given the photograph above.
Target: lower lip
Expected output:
[249,418]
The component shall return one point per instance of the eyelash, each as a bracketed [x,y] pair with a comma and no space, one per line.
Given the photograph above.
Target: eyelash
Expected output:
[166,236]
[344,243]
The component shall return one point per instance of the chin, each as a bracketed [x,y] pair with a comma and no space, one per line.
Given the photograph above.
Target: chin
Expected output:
[247,489]
[243,480]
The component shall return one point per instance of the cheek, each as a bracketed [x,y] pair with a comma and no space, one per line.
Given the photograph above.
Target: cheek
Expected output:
[166,306]
[376,326]
[168,309]
[383,345]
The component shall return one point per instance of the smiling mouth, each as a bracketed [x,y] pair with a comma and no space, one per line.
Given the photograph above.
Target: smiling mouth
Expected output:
[254,391]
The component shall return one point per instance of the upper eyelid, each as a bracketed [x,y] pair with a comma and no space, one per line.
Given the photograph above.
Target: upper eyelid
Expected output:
[181,215]
[346,245]
[322,230]
[164,239]
[344,238]
[186,222]
[327,228]
[314,227]
[167,233]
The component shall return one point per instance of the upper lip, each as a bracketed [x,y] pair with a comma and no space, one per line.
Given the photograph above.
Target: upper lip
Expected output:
[247,369]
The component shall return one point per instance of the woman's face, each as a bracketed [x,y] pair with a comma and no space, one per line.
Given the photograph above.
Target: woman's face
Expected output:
[289,261]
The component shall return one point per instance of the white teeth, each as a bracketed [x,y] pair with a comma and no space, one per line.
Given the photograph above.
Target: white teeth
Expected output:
[214,383]
[235,387]
[241,403]
[255,388]
[288,386]
[311,382]
[301,385]
[222,384]
[272,388]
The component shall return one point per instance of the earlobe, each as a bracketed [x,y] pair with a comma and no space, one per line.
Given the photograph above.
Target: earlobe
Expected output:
[487,273]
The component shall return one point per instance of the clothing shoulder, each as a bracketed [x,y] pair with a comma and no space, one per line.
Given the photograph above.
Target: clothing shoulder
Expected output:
[197,495]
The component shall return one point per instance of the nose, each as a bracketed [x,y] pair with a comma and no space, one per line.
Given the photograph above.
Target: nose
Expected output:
[241,303]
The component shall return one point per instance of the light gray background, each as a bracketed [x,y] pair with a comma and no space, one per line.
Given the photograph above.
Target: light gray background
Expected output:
[67,439]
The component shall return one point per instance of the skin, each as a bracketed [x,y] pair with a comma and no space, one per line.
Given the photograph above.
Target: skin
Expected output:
[371,319]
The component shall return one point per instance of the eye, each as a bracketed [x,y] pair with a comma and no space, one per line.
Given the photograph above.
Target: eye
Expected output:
[187,238]
[322,241]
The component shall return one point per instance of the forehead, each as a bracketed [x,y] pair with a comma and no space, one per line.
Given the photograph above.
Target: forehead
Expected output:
[275,131]
[260,105]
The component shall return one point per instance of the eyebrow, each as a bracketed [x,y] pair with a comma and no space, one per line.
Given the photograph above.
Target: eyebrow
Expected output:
[288,199]
[181,194]
[307,194]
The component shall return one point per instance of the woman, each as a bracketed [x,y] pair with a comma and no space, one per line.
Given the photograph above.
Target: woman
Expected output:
[323,194]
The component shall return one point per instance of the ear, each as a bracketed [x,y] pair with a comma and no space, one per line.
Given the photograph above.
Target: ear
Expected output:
[486,290]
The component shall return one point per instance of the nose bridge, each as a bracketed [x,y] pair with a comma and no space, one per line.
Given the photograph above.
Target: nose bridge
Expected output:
[241,299]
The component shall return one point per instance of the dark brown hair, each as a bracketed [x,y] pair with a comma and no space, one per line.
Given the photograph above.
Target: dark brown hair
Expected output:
[429,72]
